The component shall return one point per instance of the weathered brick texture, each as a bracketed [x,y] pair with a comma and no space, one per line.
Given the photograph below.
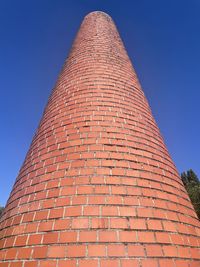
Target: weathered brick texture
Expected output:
[98,187]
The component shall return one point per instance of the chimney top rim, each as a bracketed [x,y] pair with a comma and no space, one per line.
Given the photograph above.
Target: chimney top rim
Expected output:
[98,12]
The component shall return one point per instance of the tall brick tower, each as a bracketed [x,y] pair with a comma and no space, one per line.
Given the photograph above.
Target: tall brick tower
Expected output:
[98,187]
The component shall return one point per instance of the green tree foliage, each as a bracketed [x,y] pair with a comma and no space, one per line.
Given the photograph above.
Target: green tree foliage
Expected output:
[192,185]
[1,210]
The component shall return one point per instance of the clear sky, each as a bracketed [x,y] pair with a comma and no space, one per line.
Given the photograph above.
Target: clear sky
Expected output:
[162,38]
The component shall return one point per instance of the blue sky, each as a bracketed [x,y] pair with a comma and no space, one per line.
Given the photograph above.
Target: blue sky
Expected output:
[162,39]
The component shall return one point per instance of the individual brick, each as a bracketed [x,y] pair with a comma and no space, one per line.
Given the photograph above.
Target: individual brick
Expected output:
[127,211]
[146,237]
[96,250]
[118,223]
[76,251]
[154,251]
[167,262]
[127,236]
[68,237]
[116,250]
[73,211]
[57,251]
[62,224]
[109,263]
[169,226]
[68,263]
[50,238]
[163,238]
[49,263]
[11,254]
[107,236]
[39,252]
[21,240]
[149,263]
[91,211]
[86,263]
[136,251]
[56,213]
[99,223]
[139,224]
[35,239]
[30,263]
[41,215]
[16,264]
[170,251]
[129,263]
[109,211]
[80,223]
[88,236]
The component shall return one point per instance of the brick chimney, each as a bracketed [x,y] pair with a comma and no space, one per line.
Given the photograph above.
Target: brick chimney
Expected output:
[98,187]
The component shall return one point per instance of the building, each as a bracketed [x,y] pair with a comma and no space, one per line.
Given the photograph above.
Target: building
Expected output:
[98,186]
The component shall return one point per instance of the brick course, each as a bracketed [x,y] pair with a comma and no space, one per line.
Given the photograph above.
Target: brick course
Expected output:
[98,186]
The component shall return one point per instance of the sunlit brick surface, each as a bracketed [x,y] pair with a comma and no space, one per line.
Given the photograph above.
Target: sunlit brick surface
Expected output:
[98,187]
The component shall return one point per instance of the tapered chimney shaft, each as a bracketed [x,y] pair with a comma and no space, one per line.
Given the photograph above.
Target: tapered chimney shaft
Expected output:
[98,187]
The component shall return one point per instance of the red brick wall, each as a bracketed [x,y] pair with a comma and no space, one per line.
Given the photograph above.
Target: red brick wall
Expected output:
[98,187]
